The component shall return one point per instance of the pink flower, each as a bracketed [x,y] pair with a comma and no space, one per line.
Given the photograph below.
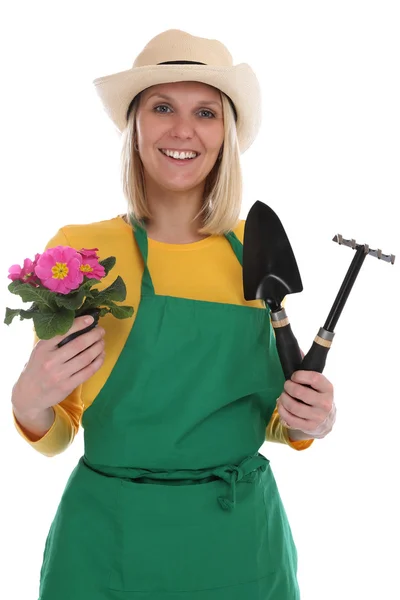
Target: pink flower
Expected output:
[89,252]
[59,269]
[26,274]
[90,266]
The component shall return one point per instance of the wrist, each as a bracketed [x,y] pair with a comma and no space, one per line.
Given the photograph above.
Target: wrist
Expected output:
[34,424]
[21,402]
[295,435]
[42,417]
[31,414]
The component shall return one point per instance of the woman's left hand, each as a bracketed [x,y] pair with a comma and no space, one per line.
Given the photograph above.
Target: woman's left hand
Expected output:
[316,414]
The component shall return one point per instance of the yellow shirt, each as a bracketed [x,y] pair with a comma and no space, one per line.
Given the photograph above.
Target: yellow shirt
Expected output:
[205,270]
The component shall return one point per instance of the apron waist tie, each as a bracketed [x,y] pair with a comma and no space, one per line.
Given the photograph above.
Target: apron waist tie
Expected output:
[245,471]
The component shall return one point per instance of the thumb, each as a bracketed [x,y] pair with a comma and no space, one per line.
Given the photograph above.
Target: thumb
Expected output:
[79,324]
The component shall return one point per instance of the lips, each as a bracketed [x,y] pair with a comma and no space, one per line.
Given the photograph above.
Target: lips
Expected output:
[179,162]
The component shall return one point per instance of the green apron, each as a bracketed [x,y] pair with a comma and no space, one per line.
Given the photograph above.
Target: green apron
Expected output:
[172,499]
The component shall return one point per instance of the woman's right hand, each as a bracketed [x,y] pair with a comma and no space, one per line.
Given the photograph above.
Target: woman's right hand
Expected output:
[52,373]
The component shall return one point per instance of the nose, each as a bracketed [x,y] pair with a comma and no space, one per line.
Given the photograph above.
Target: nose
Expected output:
[183,127]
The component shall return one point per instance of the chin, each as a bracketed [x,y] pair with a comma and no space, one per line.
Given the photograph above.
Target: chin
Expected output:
[178,187]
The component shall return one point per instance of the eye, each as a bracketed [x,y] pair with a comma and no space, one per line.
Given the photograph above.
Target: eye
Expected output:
[161,106]
[209,114]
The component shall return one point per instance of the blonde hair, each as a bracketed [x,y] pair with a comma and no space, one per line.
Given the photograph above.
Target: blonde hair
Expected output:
[223,187]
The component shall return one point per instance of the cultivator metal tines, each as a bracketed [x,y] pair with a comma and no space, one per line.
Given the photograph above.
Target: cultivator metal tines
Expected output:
[376,253]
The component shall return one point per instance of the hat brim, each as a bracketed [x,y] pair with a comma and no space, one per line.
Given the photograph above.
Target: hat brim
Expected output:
[239,82]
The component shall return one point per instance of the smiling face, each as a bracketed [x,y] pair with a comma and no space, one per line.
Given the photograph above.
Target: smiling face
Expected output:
[185,118]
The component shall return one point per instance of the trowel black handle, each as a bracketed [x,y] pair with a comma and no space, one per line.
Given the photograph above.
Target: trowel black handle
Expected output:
[315,358]
[286,343]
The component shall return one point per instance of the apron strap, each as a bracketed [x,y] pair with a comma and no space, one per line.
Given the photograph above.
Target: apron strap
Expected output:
[142,241]
[236,245]
[245,472]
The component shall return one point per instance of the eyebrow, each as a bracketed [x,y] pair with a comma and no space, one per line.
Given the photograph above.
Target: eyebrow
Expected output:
[200,103]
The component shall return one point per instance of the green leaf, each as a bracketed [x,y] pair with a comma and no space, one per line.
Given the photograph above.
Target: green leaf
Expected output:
[115,291]
[121,312]
[89,282]
[10,314]
[89,303]
[74,299]
[71,301]
[29,293]
[48,323]
[15,284]
[28,314]
[108,263]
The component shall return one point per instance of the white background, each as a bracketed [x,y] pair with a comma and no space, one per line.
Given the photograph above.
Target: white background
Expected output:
[326,160]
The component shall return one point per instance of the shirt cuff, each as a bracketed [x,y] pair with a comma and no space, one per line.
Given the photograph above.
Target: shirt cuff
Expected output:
[276,432]
[296,444]
[56,439]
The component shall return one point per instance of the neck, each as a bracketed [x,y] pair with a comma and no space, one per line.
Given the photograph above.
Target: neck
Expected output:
[174,215]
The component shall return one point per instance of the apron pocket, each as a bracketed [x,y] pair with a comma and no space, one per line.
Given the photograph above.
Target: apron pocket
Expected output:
[177,538]
[78,552]
[282,547]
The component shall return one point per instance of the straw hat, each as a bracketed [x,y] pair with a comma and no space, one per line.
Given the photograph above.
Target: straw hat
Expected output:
[175,55]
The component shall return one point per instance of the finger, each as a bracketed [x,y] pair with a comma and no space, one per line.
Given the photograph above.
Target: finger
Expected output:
[83,359]
[85,373]
[78,324]
[316,380]
[303,393]
[291,421]
[299,409]
[80,344]
[304,401]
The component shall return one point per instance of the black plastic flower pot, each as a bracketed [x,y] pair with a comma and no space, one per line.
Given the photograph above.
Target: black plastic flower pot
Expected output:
[95,313]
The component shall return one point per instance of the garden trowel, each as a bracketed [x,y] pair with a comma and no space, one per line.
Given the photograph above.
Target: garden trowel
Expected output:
[270,272]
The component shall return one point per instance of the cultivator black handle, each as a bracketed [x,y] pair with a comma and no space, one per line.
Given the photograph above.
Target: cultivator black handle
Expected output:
[315,358]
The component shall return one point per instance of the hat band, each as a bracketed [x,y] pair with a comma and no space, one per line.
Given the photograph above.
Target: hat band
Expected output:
[181,62]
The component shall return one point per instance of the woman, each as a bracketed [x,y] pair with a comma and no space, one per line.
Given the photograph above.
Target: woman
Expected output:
[172,498]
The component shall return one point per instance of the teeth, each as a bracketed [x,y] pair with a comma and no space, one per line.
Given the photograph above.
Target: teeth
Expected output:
[180,155]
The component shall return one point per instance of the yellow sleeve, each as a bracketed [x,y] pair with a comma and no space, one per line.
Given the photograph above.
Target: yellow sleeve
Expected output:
[67,413]
[276,432]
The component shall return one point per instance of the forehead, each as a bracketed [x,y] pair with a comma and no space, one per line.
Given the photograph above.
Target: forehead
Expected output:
[181,89]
